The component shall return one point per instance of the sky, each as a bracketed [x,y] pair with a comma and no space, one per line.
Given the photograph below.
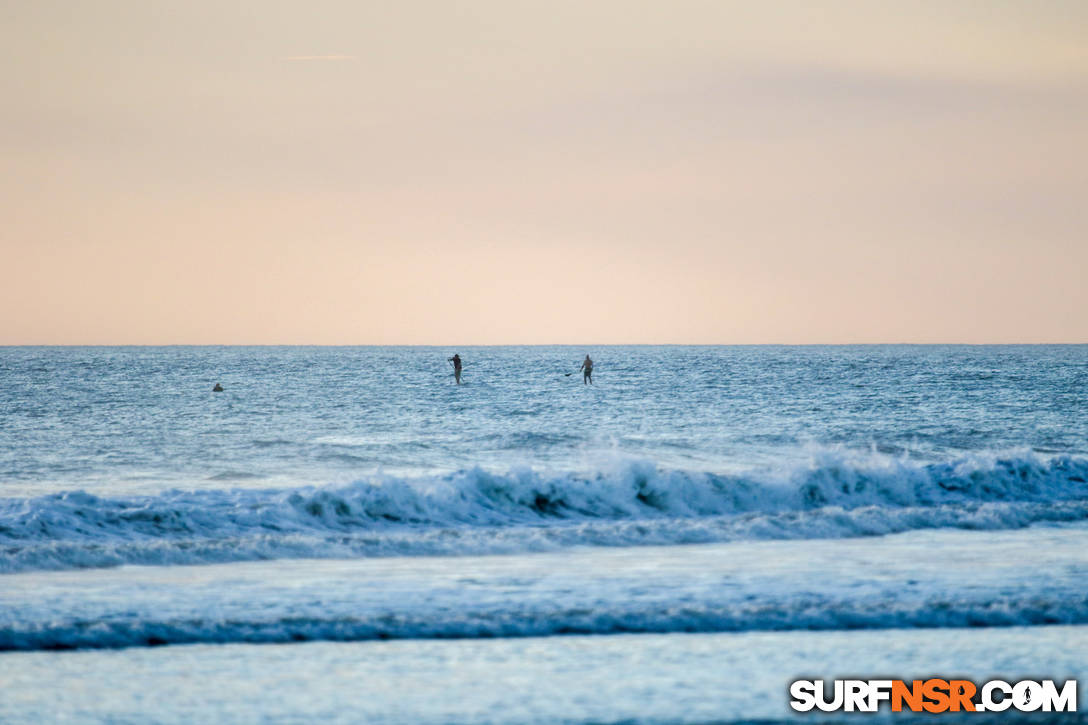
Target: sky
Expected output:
[503,172]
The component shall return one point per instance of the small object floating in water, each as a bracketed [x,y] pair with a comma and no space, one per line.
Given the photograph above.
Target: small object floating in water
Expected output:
[218,388]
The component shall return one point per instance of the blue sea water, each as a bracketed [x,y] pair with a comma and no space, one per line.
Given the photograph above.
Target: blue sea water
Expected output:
[675,542]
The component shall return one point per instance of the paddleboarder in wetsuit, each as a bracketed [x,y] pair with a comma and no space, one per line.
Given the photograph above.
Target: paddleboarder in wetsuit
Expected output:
[587,367]
[456,360]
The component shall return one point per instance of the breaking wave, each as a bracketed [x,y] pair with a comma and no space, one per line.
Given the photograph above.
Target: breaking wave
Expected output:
[813,613]
[476,511]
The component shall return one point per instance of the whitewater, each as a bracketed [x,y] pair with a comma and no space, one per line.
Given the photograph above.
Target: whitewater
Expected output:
[696,508]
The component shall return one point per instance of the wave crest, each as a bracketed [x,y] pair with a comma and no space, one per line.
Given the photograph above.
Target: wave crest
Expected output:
[477,511]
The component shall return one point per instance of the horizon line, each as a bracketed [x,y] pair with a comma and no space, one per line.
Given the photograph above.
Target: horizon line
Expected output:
[551,344]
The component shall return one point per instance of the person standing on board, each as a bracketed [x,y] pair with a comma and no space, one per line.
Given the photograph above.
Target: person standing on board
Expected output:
[456,360]
[587,368]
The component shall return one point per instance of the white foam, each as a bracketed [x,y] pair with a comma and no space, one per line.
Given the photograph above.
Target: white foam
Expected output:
[478,511]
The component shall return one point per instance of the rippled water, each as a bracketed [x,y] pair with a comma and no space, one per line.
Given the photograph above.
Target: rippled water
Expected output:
[358,494]
[123,420]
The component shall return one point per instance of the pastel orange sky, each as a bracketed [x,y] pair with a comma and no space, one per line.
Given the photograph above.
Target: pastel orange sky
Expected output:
[497,172]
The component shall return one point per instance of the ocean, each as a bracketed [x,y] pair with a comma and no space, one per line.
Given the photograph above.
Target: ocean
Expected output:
[344,535]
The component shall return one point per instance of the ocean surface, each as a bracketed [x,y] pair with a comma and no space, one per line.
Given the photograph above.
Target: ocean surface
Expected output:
[345,535]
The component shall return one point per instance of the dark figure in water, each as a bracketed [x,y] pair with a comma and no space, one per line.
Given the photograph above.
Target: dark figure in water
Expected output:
[456,360]
[218,388]
[587,371]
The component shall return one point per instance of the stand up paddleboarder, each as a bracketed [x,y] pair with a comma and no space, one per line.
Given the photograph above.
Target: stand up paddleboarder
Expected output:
[456,360]
[587,371]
